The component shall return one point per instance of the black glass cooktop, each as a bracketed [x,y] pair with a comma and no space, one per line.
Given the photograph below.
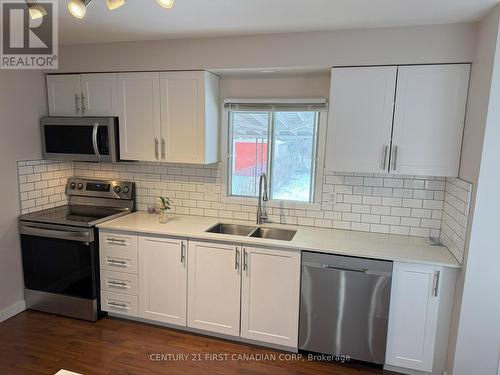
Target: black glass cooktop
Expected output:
[73,215]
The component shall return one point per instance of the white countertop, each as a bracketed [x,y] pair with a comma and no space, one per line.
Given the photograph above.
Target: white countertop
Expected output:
[333,241]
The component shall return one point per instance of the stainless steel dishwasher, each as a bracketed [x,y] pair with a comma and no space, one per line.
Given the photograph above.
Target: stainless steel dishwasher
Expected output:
[344,306]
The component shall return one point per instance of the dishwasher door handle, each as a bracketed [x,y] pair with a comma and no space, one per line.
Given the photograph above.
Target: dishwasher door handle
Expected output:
[366,271]
[327,266]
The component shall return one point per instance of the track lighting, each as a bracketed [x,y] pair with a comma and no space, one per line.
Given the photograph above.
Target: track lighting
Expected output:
[78,8]
[166,3]
[35,10]
[114,4]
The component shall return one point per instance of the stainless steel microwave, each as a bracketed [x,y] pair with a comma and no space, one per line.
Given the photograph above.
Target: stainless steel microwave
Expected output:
[80,138]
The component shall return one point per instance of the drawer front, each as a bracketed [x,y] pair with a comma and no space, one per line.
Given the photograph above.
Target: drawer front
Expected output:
[117,240]
[119,260]
[119,303]
[119,282]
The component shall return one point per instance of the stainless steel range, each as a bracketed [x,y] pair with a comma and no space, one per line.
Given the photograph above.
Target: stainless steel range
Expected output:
[60,247]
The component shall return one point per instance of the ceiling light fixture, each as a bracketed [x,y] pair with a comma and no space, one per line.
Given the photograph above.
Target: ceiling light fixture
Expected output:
[35,10]
[114,4]
[166,3]
[78,8]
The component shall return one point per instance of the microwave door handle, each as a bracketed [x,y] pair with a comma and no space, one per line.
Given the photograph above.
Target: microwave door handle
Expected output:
[94,139]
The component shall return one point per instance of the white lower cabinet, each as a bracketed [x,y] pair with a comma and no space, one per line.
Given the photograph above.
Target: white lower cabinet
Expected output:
[253,293]
[270,296]
[162,279]
[413,316]
[214,282]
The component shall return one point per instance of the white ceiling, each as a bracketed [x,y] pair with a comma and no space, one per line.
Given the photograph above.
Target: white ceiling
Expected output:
[145,20]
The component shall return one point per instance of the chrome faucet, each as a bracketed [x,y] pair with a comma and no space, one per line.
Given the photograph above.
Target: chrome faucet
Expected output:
[261,211]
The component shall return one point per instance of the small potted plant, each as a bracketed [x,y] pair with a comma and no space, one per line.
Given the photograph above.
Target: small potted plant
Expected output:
[165,205]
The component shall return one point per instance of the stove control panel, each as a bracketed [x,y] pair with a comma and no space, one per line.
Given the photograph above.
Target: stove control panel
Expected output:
[100,188]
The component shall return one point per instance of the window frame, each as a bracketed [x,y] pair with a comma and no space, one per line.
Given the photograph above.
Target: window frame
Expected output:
[318,164]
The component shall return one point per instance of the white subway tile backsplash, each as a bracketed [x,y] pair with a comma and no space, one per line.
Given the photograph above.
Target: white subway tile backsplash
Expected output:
[455,212]
[379,203]
[42,184]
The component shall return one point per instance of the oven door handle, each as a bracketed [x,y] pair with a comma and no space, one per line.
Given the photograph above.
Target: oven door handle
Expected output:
[63,234]
[94,139]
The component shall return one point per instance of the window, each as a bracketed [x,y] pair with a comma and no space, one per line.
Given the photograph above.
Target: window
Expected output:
[279,142]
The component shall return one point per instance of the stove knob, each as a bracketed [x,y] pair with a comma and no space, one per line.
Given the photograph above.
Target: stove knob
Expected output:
[117,189]
[79,186]
[72,185]
[126,189]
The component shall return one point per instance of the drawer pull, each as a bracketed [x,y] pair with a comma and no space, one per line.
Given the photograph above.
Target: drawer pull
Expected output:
[116,241]
[119,284]
[118,305]
[118,263]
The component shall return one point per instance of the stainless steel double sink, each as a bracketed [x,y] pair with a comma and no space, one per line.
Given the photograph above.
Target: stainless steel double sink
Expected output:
[250,231]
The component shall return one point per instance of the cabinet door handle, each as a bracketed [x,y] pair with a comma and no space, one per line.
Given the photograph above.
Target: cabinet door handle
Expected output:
[436,283]
[163,148]
[83,104]
[156,149]
[394,157]
[183,256]
[236,258]
[77,108]
[384,157]
[245,258]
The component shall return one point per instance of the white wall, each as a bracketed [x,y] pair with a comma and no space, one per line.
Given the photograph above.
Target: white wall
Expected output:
[272,85]
[403,45]
[475,337]
[22,103]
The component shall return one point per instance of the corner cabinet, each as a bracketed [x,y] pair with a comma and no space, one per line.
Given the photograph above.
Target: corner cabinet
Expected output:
[169,116]
[419,317]
[79,95]
[403,120]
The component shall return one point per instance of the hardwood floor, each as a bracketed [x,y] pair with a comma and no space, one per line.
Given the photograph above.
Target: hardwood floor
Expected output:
[39,343]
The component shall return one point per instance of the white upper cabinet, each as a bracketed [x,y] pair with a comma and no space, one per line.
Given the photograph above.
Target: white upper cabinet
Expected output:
[360,119]
[139,116]
[403,120]
[429,119]
[99,94]
[170,117]
[82,94]
[413,316]
[189,117]
[64,95]
[270,296]
[162,279]
[214,282]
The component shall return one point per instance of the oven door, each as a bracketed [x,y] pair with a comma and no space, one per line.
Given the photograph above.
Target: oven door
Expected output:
[60,259]
[83,139]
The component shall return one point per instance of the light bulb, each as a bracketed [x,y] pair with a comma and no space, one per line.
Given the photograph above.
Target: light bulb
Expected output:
[36,11]
[78,8]
[166,3]
[114,4]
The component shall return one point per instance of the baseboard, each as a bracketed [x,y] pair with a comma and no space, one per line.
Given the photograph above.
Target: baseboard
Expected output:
[406,371]
[12,310]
